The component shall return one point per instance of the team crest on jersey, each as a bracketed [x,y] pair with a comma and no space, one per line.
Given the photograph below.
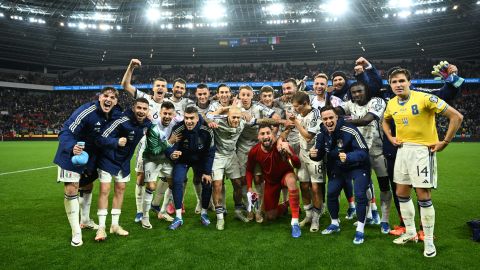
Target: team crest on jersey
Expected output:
[131,135]
[405,121]
[433,99]
[377,107]
[97,127]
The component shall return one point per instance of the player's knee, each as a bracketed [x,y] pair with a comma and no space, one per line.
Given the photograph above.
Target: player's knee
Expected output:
[119,187]
[150,186]
[423,194]
[71,188]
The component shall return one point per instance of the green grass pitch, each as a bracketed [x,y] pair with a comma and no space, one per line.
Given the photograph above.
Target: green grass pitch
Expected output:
[35,232]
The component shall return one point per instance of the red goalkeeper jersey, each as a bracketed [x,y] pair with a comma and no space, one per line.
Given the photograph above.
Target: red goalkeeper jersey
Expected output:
[273,165]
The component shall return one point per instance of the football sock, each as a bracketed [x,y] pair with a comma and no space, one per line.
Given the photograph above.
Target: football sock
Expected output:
[360,226]
[178,213]
[308,210]
[386,201]
[166,200]
[335,222]
[115,216]
[316,214]
[102,217]
[204,211]
[219,212]
[85,201]
[139,190]
[293,199]
[351,202]
[294,221]
[427,214]
[72,209]
[159,192]
[408,213]
[147,201]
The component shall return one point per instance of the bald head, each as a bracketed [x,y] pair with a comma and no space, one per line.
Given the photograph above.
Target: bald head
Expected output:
[234,116]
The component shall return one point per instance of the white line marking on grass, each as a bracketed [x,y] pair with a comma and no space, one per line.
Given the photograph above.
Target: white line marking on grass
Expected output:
[28,170]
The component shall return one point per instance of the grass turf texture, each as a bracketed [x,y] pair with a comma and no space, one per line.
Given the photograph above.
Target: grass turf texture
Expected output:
[35,231]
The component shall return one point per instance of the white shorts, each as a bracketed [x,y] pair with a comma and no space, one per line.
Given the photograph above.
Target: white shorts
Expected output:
[139,153]
[242,159]
[228,166]
[310,171]
[415,165]
[153,170]
[67,176]
[379,165]
[106,177]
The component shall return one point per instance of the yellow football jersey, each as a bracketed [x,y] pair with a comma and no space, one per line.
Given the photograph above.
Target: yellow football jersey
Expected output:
[415,118]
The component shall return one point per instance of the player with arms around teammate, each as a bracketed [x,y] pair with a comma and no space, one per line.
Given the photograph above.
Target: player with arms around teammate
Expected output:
[366,113]
[277,161]
[156,163]
[311,173]
[347,159]
[195,149]
[159,89]
[82,126]
[118,142]
[415,165]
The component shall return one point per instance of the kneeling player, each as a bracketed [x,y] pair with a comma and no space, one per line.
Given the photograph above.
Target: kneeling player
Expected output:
[276,162]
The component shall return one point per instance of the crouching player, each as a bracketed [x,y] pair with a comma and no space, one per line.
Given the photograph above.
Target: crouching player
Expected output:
[277,162]
[347,159]
[118,142]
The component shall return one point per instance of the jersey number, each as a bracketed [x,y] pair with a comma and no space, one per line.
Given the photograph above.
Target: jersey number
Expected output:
[415,109]
[155,115]
[424,170]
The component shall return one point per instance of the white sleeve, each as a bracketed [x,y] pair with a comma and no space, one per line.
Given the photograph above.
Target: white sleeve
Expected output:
[139,94]
[346,107]
[313,125]
[376,106]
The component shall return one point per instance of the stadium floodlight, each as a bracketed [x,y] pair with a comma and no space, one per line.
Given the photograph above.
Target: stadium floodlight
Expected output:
[214,10]
[119,27]
[99,16]
[82,25]
[404,14]
[338,7]
[274,9]
[104,27]
[400,3]
[62,24]
[153,14]
[2,15]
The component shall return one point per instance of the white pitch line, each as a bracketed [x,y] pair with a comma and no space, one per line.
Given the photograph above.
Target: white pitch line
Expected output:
[28,170]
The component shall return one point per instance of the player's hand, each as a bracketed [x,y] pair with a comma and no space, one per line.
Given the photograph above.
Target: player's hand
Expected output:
[176,155]
[330,89]
[135,63]
[77,149]
[285,148]
[342,156]
[362,62]
[395,142]
[313,152]
[246,116]
[290,116]
[236,102]
[438,147]
[207,178]
[174,138]
[212,125]
[358,69]
[452,69]
[122,141]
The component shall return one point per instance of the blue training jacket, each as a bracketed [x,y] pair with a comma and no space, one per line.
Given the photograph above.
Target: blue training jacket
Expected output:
[83,125]
[114,158]
[345,138]
[197,146]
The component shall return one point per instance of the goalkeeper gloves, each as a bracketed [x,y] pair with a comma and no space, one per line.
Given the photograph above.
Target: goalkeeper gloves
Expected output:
[441,71]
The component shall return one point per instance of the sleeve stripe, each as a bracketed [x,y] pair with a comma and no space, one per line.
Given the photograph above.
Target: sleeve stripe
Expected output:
[355,134]
[114,126]
[80,117]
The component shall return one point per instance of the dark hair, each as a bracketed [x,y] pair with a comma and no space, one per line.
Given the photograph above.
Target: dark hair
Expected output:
[397,71]
[300,98]
[223,85]
[361,84]
[202,86]
[292,80]
[339,73]
[266,89]
[191,109]
[328,108]
[140,100]
[159,79]
[179,80]
[110,88]
[167,105]
[264,125]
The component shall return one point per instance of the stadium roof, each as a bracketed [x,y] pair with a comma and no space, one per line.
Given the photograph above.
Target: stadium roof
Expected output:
[86,33]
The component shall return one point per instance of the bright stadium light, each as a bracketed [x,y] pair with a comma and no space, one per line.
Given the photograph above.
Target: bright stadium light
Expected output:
[400,3]
[274,9]
[82,26]
[338,7]
[404,14]
[214,10]
[153,14]
[2,15]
